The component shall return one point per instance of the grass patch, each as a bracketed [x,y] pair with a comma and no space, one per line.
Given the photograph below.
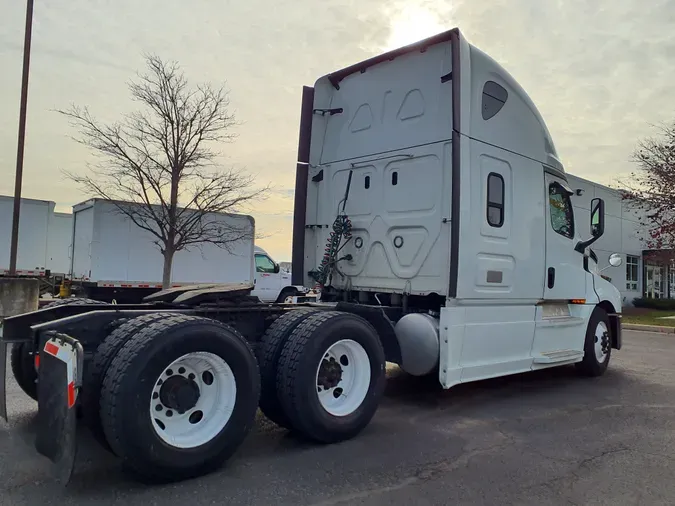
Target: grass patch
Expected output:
[650,318]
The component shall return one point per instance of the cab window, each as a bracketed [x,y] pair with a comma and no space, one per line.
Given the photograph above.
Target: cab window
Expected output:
[264,264]
[560,205]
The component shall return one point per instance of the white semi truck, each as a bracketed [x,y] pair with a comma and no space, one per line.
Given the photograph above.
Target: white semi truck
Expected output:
[432,210]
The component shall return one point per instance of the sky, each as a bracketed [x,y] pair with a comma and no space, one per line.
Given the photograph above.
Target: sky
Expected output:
[598,71]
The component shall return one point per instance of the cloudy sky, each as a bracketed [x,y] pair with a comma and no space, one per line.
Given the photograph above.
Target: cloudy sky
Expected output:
[598,70]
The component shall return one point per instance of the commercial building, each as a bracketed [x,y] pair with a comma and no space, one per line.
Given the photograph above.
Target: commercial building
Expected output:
[642,273]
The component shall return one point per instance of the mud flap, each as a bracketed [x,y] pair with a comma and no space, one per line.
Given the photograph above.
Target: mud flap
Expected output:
[59,380]
[3,378]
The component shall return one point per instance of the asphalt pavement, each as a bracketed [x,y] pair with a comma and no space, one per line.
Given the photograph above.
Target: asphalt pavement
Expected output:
[541,438]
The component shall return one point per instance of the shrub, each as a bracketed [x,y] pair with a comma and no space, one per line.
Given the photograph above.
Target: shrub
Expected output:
[661,304]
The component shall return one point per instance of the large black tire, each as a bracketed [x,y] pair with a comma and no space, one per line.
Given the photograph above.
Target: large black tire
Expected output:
[23,369]
[598,324]
[269,352]
[128,386]
[122,331]
[300,358]
[72,301]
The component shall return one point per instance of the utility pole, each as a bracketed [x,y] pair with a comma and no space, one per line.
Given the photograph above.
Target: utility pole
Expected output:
[22,137]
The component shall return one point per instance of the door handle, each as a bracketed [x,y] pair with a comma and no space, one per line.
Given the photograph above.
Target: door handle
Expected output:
[551,277]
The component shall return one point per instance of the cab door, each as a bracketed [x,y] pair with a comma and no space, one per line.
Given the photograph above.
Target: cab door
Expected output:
[565,277]
[266,278]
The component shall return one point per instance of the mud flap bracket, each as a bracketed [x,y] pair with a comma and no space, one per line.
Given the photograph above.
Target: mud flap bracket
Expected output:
[59,381]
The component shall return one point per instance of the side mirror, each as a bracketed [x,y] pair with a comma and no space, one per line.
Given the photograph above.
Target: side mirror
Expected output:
[276,268]
[597,217]
[597,225]
[615,260]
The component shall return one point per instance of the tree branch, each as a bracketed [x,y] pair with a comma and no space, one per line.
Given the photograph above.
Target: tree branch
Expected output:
[158,166]
[650,191]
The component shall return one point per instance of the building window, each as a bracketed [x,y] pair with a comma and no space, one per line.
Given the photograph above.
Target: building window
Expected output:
[632,264]
[560,205]
[495,200]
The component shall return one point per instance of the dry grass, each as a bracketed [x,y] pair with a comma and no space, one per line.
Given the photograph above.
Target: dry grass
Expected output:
[641,316]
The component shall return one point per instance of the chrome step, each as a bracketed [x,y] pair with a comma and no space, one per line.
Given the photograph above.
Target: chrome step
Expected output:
[560,321]
[552,357]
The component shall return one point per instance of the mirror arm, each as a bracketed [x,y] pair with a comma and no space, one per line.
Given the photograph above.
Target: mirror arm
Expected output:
[582,245]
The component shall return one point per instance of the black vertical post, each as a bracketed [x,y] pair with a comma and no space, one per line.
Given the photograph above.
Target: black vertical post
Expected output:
[22,135]
[301,176]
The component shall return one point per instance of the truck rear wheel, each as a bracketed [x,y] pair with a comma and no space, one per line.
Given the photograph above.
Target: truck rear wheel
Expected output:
[179,398]
[331,376]
[597,345]
[268,358]
[123,330]
[23,369]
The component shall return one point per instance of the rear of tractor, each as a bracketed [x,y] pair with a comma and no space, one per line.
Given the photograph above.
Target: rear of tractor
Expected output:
[172,386]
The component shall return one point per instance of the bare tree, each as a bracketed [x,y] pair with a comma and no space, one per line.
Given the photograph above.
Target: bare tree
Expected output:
[651,190]
[156,165]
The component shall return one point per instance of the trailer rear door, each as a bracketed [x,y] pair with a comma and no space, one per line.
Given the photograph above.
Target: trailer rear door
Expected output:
[82,242]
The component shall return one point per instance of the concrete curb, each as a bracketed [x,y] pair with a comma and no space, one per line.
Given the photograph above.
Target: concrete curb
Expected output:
[648,328]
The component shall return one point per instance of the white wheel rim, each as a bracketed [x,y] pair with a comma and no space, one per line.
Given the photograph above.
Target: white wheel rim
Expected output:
[601,342]
[203,421]
[341,393]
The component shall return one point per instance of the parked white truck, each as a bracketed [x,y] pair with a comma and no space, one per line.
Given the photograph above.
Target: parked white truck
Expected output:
[114,259]
[432,209]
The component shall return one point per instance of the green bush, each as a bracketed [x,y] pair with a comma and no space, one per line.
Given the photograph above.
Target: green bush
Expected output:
[662,304]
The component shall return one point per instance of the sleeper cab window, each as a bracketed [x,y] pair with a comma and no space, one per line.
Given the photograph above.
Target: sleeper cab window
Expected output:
[560,205]
[495,200]
[494,98]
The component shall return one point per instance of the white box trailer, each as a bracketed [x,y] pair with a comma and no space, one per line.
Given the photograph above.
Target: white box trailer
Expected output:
[32,257]
[111,255]
[44,241]
[432,210]
[114,259]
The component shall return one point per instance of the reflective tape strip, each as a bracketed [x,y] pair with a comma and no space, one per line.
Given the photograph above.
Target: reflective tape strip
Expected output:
[129,285]
[52,349]
[71,394]
[40,273]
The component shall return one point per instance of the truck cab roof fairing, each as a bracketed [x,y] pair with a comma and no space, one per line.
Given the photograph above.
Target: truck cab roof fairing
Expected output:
[519,111]
[518,126]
